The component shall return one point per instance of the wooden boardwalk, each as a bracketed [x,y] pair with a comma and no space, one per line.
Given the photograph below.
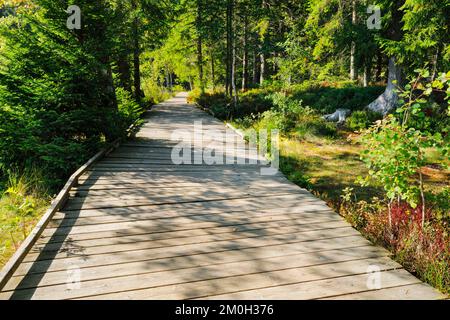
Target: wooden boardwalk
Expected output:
[141,227]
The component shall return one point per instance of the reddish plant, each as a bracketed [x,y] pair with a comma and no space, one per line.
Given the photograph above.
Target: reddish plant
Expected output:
[403,213]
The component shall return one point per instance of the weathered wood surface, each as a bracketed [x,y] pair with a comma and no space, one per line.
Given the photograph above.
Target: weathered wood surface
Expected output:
[140,227]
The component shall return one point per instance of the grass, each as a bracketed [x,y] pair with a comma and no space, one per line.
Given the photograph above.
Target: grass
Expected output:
[22,204]
[332,165]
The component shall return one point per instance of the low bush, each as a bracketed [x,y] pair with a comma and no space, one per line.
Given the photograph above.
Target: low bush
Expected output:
[129,109]
[154,94]
[21,205]
[315,126]
[216,102]
[326,99]
[413,222]
[254,101]
[360,120]
[251,102]
[323,97]
[422,251]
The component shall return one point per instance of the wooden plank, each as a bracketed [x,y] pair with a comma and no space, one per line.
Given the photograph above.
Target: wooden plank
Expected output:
[221,174]
[318,289]
[179,168]
[194,194]
[54,235]
[158,179]
[310,283]
[220,279]
[209,243]
[152,254]
[200,236]
[418,291]
[202,189]
[259,272]
[161,225]
[85,217]
[170,184]
[80,204]
[288,202]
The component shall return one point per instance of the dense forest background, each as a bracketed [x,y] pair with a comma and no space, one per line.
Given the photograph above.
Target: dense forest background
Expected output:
[65,92]
[343,80]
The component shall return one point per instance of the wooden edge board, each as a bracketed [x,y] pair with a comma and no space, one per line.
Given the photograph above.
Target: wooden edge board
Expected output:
[57,204]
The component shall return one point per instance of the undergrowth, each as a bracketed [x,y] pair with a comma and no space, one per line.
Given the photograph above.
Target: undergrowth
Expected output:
[22,203]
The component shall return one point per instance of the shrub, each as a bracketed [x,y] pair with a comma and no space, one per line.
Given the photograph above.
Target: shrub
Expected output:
[327,99]
[23,202]
[423,251]
[154,94]
[218,103]
[251,102]
[313,125]
[360,120]
[395,151]
[129,109]
[254,101]
[193,96]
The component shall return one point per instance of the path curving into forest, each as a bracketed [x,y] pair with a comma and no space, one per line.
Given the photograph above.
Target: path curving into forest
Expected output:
[139,226]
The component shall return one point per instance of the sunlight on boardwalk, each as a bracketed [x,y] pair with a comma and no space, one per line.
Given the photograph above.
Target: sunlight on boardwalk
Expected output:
[140,227]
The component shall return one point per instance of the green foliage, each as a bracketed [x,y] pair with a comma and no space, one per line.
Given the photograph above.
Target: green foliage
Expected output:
[314,126]
[56,103]
[360,120]
[130,111]
[424,39]
[393,157]
[295,175]
[20,206]
[327,99]
[216,102]
[154,93]
[395,151]
[423,251]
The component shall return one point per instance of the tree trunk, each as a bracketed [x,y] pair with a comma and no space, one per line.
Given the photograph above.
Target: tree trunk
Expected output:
[108,98]
[110,86]
[379,66]
[124,69]
[228,86]
[213,71]
[434,65]
[366,76]
[352,61]
[136,58]
[353,45]
[388,100]
[245,58]
[200,46]
[255,68]
[137,72]
[263,68]
[233,67]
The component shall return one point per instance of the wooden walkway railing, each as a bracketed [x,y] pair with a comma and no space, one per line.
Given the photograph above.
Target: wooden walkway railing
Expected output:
[139,226]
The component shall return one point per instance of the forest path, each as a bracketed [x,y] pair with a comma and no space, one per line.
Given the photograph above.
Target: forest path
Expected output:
[139,226]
